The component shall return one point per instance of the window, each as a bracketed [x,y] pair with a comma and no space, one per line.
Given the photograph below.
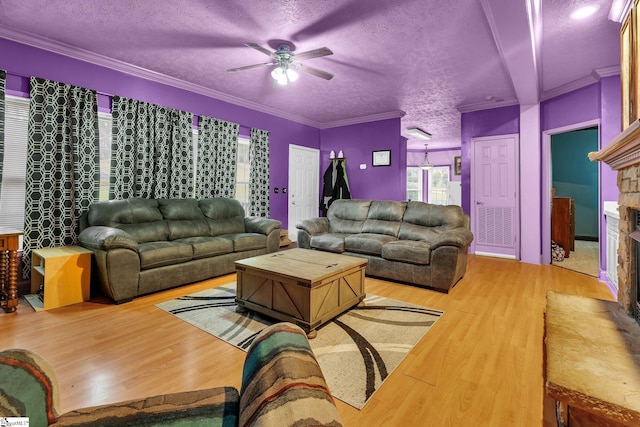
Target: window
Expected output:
[438,182]
[104,135]
[414,184]
[243,173]
[15,162]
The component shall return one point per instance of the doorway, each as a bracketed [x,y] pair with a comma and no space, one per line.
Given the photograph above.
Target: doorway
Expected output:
[573,240]
[304,186]
[495,198]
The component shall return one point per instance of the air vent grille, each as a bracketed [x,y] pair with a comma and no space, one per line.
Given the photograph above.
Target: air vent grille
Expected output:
[495,226]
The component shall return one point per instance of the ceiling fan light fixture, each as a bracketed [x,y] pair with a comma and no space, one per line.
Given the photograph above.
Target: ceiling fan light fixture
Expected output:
[419,133]
[284,75]
[292,75]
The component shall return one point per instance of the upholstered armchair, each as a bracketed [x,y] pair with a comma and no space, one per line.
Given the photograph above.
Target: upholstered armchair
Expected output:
[282,385]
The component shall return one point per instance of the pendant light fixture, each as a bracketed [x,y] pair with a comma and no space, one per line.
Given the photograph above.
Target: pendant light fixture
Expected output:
[425,164]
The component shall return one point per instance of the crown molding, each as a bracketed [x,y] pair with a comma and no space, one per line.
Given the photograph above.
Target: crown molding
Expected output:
[64,49]
[614,70]
[486,105]
[363,119]
[619,10]
[592,78]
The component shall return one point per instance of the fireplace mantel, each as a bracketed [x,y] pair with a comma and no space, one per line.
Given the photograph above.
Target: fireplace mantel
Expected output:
[623,150]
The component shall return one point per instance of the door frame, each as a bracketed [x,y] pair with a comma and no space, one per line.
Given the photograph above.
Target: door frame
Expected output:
[516,215]
[315,189]
[546,183]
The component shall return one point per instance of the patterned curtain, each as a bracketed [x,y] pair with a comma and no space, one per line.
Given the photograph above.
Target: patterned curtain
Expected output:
[259,174]
[217,158]
[151,152]
[62,178]
[3,77]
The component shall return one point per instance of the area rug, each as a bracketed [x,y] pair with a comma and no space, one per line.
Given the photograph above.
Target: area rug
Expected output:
[357,351]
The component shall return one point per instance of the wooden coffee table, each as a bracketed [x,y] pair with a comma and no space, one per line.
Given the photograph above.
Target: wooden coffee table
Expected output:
[302,286]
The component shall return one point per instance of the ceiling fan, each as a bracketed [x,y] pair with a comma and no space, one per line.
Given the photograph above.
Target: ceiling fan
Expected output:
[288,63]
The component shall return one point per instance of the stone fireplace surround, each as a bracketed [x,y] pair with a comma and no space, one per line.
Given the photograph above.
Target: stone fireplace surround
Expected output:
[623,155]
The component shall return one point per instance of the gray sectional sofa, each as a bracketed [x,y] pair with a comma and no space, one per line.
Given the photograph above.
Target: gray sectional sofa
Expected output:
[142,246]
[413,242]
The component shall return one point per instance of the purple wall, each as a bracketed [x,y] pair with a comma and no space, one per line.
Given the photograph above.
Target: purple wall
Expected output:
[497,121]
[610,127]
[578,106]
[599,101]
[357,143]
[21,61]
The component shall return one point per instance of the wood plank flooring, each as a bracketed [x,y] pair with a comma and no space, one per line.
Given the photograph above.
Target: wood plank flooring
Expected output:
[480,365]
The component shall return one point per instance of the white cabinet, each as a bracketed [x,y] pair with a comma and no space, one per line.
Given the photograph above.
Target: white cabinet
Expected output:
[611,212]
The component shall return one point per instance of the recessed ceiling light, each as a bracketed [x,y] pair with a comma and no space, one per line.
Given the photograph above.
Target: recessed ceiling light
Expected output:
[584,12]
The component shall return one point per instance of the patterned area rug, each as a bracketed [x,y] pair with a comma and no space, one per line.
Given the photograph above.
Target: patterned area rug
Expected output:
[357,351]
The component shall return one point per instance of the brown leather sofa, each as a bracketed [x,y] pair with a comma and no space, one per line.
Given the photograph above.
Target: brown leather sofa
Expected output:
[142,246]
[413,242]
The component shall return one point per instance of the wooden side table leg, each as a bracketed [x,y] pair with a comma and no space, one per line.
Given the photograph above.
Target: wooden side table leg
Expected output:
[4,296]
[12,301]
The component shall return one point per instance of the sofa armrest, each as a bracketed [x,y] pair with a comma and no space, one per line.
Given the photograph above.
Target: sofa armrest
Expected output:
[106,238]
[459,237]
[258,224]
[215,406]
[282,383]
[314,225]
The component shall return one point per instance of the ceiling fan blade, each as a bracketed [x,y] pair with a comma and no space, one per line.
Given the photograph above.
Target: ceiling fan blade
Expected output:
[316,53]
[248,67]
[315,72]
[260,49]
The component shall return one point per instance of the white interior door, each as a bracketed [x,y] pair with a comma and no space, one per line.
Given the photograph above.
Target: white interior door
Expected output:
[494,196]
[304,186]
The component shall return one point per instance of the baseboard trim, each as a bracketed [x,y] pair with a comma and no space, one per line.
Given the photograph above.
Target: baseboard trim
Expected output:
[495,255]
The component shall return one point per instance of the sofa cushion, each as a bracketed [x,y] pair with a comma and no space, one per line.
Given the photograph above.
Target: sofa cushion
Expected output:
[367,243]
[205,247]
[158,254]
[225,216]
[347,216]
[246,241]
[331,242]
[147,232]
[129,211]
[428,215]
[384,217]
[409,251]
[187,228]
[180,209]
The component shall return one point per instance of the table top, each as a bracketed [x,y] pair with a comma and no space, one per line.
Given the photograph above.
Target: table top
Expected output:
[306,265]
[61,251]
[8,231]
[593,356]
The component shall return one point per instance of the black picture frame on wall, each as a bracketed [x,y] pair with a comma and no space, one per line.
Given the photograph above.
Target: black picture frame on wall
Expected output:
[457,165]
[381,158]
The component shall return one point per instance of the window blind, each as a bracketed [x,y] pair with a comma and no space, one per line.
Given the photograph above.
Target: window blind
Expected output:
[15,161]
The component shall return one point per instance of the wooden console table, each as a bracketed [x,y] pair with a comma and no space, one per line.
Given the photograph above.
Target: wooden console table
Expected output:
[9,244]
[592,359]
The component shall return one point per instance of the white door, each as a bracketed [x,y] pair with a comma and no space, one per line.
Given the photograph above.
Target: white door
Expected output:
[304,186]
[494,207]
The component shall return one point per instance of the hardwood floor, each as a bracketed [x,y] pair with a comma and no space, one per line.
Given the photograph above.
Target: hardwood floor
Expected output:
[480,365]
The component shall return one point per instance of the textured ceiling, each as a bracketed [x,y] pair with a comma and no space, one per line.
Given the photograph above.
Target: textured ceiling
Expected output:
[428,58]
